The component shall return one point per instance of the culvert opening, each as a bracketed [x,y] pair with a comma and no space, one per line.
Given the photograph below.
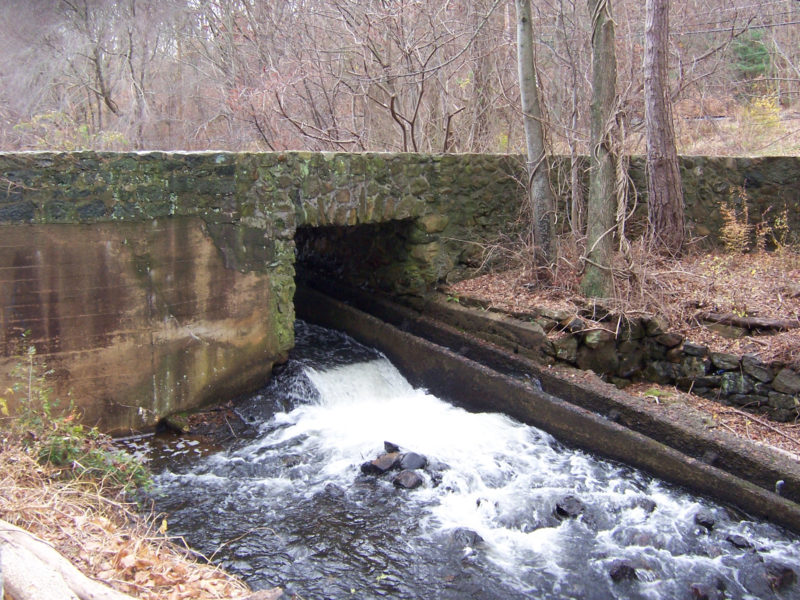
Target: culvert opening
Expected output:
[375,255]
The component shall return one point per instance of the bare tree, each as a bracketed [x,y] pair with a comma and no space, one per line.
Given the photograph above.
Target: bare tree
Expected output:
[597,280]
[360,74]
[664,192]
[540,193]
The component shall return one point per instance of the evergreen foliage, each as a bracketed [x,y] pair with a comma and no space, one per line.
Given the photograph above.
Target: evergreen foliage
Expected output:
[751,56]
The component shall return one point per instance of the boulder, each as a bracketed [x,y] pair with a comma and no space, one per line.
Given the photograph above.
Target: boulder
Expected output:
[675,355]
[754,367]
[783,401]
[748,400]
[391,447]
[724,361]
[574,325]
[653,350]
[705,519]
[655,326]
[670,340]
[693,349]
[412,460]
[735,383]
[622,570]
[631,329]
[379,466]
[594,337]
[566,348]
[407,479]
[559,315]
[787,382]
[603,359]
[631,358]
[662,372]
[694,366]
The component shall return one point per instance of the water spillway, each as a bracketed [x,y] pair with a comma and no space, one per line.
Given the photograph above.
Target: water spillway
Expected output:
[505,510]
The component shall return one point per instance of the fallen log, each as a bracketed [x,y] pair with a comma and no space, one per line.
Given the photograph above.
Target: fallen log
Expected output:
[32,569]
[750,323]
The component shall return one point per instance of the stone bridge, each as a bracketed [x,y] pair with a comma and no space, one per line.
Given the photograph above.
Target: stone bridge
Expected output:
[155,282]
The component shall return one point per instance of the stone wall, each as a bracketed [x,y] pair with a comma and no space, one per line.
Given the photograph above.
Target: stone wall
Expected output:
[450,209]
[442,212]
[770,185]
[623,351]
[626,350]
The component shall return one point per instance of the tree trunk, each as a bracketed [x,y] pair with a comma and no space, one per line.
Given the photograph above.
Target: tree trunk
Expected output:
[664,192]
[598,281]
[541,195]
[33,570]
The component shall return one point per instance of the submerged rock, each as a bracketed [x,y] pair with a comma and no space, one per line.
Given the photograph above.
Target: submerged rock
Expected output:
[762,578]
[332,491]
[646,504]
[463,537]
[703,591]
[705,519]
[622,570]
[568,507]
[780,576]
[407,479]
[739,541]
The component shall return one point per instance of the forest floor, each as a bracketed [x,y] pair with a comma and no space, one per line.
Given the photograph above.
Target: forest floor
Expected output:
[762,285]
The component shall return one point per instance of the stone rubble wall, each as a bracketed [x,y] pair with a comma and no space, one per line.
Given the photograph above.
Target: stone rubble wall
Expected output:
[770,186]
[644,351]
[641,349]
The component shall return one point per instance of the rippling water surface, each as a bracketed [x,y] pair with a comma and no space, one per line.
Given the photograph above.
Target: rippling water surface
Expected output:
[287,504]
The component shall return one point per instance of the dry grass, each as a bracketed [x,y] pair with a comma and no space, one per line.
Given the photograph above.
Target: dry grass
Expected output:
[102,534]
[740,132]
[755,285]
[784,436]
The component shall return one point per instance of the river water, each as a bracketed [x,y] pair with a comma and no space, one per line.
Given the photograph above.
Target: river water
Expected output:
[505,511]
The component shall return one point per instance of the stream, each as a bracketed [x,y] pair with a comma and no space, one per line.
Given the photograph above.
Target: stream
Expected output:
[505,511]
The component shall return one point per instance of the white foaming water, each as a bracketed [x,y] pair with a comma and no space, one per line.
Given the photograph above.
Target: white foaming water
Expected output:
[503,480]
